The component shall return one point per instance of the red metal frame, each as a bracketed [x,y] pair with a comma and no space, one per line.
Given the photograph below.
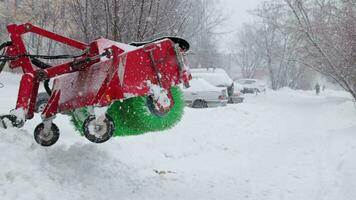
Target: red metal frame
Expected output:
[30,81]
[122,74]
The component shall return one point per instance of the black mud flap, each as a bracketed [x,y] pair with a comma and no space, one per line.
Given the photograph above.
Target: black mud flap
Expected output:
[183,44]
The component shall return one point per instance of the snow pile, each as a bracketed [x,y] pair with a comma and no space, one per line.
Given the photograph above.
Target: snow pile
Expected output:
[283,145]
[29,171]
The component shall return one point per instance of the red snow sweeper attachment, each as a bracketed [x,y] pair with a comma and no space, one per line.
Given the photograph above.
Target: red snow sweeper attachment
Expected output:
[100,86]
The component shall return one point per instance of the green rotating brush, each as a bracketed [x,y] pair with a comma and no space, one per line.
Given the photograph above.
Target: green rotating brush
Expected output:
[135,116]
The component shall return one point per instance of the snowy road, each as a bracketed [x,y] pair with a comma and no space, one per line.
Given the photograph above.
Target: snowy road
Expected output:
[284,145]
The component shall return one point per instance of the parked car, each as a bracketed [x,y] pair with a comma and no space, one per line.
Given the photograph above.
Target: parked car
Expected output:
[202,94]
[219,78]
[236,97]
[251,86]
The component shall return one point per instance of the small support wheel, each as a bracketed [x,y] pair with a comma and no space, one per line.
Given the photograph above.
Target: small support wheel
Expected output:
[98,129]
[10,120]
[46,137]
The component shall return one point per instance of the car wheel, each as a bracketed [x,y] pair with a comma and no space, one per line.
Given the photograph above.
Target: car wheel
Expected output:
[199,104]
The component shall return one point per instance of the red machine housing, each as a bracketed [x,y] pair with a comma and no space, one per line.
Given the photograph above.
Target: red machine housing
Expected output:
[124,72]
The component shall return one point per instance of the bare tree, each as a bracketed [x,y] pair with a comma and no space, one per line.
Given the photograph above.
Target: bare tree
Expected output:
[248,53]
[328,28]
[203,21]
[267,44]
[124,21]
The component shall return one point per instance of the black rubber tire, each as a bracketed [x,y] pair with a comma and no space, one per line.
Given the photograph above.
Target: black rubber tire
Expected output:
[152,108]
[106,136]
[199,104]
[13,119]
[49,140]
[41,102]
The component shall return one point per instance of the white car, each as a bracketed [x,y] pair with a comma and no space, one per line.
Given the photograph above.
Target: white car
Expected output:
[219,78]
[202,94]
[250,86]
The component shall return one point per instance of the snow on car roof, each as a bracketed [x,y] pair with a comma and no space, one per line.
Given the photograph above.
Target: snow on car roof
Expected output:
[199,84]
[215,76]
[208,70]
[247,79]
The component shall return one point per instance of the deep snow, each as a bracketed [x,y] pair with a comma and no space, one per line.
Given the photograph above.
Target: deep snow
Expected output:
[282,145]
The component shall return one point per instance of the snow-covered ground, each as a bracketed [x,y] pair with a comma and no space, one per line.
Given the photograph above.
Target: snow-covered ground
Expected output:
[288,145]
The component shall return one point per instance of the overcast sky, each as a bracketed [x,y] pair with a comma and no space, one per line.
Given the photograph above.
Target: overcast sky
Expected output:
[237,11]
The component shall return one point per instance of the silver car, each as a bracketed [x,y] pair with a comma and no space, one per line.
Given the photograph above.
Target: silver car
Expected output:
[219,78]
[250,86]
[202,94]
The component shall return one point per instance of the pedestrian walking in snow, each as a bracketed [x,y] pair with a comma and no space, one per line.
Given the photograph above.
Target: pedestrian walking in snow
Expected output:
[317,89]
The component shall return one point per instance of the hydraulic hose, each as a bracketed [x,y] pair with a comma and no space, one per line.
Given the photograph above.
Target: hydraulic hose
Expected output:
[2,47]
